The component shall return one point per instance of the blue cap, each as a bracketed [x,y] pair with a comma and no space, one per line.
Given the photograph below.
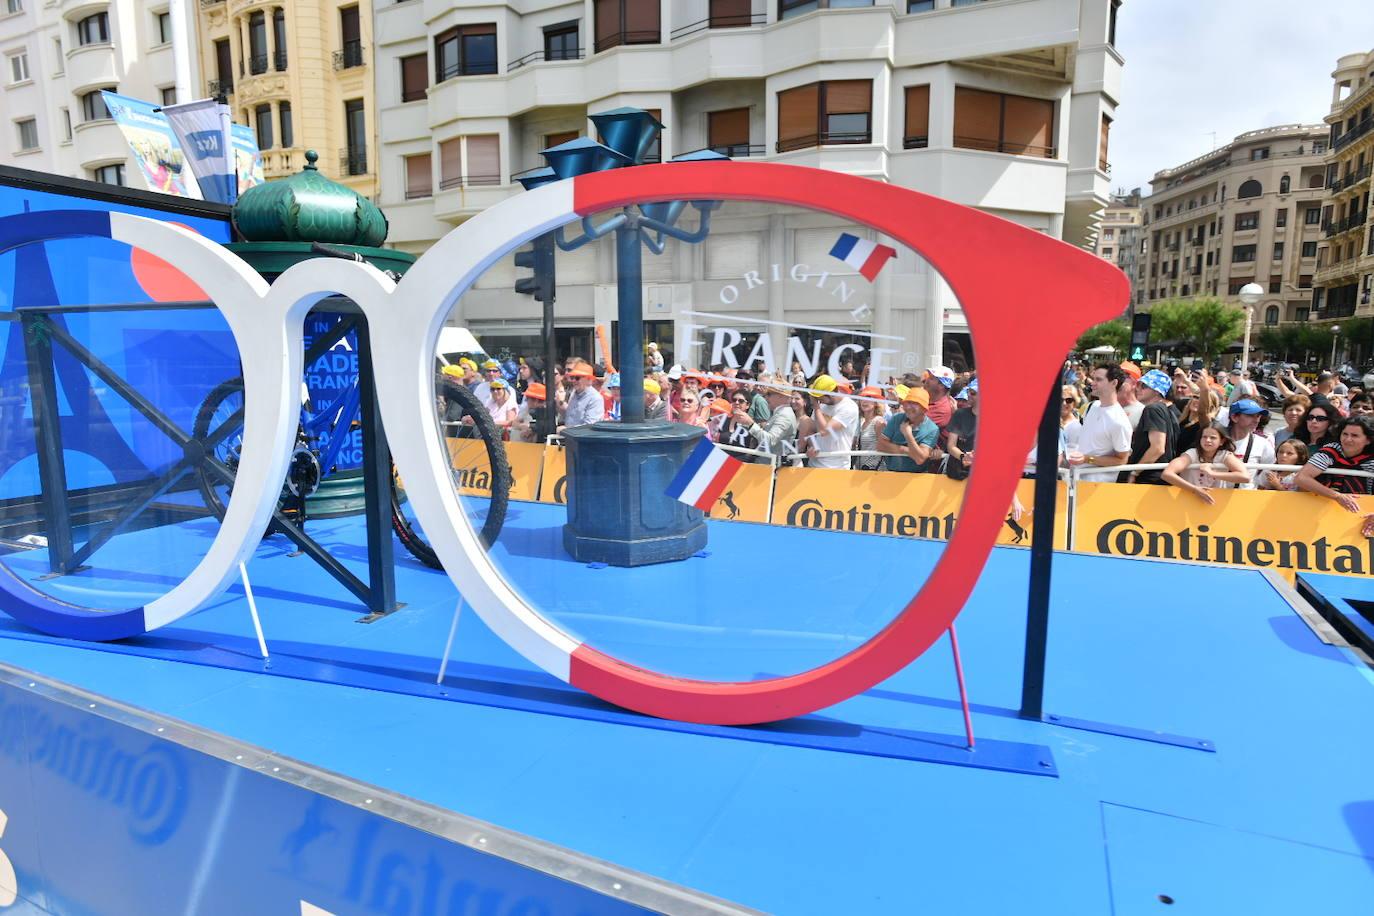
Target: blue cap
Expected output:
[612,380]
[1158,381]
[1246,405]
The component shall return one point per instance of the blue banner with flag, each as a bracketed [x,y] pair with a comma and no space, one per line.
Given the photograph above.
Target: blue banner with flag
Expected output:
[153,144]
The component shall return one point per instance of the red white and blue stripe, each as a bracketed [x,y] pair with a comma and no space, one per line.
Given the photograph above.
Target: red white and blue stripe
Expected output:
[863,255]
[704,477]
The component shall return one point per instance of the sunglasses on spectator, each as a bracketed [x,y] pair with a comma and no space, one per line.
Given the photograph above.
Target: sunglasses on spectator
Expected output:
[1321,418]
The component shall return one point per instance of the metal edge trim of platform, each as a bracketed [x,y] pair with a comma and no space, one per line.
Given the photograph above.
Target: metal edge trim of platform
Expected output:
[1320,626]
[598,875]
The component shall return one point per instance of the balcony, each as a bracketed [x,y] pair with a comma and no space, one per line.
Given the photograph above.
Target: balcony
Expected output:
[1355,133]
[257,63]
[1002,146]
[825,138]
[1353,221]
[279,61]
[205,4]
[740,150]
[741,21]
[470,181]
[535,57]
[351,56]
[216,88]
[921,142]
[353,162]
[616,39]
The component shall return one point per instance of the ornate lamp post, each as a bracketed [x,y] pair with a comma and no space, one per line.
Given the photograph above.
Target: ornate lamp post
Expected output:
[1250,294]
[618,512]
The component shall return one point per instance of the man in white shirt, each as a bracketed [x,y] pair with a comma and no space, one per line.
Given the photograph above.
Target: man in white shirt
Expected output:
[1252,446]
[1105,440]
[837,422]
[491,370]
[1126,395]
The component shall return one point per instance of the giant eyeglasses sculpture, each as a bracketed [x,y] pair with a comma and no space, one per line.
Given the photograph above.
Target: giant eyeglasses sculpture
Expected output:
[1026,296]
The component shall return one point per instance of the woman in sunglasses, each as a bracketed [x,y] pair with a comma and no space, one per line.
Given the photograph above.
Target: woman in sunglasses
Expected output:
[1318,427]
[1353,452]
[733,432]
[872,418]
[689,409]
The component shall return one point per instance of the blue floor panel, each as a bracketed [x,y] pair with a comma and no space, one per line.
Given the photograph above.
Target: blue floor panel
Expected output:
[1200,651]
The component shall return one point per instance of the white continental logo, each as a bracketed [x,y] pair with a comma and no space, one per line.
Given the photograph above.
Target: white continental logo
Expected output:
[9,883]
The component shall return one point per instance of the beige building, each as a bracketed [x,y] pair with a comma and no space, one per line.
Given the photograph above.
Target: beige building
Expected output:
[1118,237]
[1249,212]
[300,74]
[1345,266]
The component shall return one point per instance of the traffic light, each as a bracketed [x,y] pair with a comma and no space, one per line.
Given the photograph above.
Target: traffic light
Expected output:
[539,258]
[1140,334]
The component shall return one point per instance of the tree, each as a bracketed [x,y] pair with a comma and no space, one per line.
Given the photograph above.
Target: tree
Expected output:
[1203,326]
[1280,342]
[1115,333]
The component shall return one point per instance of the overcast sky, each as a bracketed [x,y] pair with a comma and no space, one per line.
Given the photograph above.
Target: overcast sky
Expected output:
[1229,66]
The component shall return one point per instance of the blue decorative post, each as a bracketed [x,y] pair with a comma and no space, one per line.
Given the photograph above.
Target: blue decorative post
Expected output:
[618,472]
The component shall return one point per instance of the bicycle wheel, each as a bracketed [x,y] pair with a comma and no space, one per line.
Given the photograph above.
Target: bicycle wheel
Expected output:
[495,452]
[223,401]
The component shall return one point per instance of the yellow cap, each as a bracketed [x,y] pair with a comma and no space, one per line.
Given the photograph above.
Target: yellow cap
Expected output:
[823,385]
[916,395]
[452,371]
[467,362]
[652,386]
[900,391]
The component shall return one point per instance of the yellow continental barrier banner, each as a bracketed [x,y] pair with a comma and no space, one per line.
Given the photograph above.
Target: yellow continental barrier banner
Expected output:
[468,457]
[1292,532]
[886,502]
[745,500]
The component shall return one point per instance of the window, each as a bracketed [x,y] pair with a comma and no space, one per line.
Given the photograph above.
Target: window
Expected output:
[789,8]
[916,134]
[279,39]
[14,6]
[1309,249]
[562,42]
[28,134]
[818,114]
[19,68]
[164,27]
[93,107]
[1259,154]
[1271,314]
[551,140]
[94,30]
[350,31]
[727,131]
[1285,184]
[109,174]
[1102,164]
[1209,259]
[1281,218]
[626,22]
[414,77]
[1233,288]
[1312,216]
[224,68]
[66,125]
[451,163]
[257,43]
[1249,189]
[1305,281]
[57,54]
[1109,232]
[1241,254]
[1314,182]
[1106,252]
[1275,283]
[1246,221]
[919,6]
[484,160]
[419,177]
[1001,123]
[355,124]
[262,123]
[1111,23]
[1302,314]
[1278,251]
[288,130]
[468,50]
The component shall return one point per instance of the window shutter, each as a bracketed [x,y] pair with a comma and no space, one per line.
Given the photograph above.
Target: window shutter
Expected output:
[484,160]
[729,255]
[607,14]
[917,115]
[848,96]
[1028,126]
[797,117]
[1102,146]
[419,180]
[728,128]
[642,21]
[556,139]
[451,162]
[414,77]
[730,13]
[977,118]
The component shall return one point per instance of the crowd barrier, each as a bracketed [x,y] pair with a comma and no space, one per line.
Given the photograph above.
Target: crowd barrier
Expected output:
[1287,531]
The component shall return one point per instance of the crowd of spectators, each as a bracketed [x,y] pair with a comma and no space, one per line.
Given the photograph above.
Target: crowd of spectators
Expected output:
[1201,432]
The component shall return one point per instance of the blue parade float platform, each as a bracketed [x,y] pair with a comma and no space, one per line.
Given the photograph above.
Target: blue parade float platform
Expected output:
[872,806]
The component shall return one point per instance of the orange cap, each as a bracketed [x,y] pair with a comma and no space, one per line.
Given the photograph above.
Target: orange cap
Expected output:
[581,372]
[1132,370]
[536,390]
[872,391]
[719,405]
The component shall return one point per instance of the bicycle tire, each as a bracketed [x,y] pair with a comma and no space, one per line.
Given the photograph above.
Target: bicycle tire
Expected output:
[500,480]
[201,428]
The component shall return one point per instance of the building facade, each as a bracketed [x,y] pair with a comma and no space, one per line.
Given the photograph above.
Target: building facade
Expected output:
[1002,104]
[301,74]
[1345,268]
[1119,235]
[57,57]
[1249,212]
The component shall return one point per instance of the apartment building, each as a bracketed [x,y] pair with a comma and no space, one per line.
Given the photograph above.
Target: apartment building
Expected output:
[1249,212]
[56,59]
[1002,104]
[1345,266]
[1118,236]
[301,74]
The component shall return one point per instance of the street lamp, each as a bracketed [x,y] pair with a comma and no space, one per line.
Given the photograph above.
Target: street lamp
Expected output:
[1250,295]
[1335,336]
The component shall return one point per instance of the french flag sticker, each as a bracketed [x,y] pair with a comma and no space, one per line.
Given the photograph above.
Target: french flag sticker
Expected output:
[864,256]
[705,475]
